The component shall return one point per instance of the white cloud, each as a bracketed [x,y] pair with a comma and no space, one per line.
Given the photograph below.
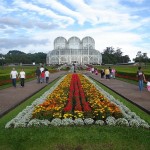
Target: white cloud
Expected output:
[36,23]
[63,21]
[59,7]
[103,39]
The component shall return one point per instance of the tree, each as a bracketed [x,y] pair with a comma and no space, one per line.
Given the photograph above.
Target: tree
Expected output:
[107,55]
[141,58]
[118,55]
[111,56]
[125,59]
[16,56]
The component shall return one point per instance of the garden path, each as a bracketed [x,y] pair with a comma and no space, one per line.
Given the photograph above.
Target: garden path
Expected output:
[12,97]
[129,91]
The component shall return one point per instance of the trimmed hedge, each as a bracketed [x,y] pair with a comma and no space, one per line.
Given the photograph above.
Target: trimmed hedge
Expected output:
[129,75]
[5,78]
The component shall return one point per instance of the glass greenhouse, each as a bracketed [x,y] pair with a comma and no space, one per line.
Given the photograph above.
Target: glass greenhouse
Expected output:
[74,51]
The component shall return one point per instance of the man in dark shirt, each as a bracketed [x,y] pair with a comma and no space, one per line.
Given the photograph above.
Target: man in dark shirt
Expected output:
[141,78]
[38,73]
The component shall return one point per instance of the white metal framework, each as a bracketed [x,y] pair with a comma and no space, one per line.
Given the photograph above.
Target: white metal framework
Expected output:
[74,51]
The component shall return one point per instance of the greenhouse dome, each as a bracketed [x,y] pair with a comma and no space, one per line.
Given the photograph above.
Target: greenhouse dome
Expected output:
[74,51]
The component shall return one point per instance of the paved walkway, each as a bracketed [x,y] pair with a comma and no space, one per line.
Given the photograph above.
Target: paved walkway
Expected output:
[129,91]
[12,97]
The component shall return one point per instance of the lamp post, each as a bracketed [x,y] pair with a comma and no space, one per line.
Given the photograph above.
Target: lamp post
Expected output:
[2,58]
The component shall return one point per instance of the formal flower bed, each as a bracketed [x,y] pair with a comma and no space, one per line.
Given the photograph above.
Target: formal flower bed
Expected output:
[76,100]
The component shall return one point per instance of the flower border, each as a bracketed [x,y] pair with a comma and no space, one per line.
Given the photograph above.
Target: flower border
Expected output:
[24,118]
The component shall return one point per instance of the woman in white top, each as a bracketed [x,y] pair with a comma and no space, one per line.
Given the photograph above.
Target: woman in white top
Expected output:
[13,76]
[47,75]
[22,76]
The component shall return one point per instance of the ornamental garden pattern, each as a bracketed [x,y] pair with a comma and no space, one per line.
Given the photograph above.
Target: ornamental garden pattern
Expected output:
[76,100]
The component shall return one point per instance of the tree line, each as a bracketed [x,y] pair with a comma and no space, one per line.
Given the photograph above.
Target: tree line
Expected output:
[17,57]
[112,56]
[109,56]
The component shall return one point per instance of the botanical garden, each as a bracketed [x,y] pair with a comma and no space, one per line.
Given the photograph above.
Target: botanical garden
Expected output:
[75,100]
[75,112]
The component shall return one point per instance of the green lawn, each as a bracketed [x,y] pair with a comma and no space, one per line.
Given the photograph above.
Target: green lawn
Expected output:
[7,69]
[73,138]
[128,68]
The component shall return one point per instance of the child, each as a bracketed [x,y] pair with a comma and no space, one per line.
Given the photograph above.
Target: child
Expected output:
[148,85]
[96,72]
[42,77]
[113,73]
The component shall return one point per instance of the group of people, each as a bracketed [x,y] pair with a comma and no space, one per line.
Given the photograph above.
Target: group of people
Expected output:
[107,73]
[14,75]
[94,70]
[41,73]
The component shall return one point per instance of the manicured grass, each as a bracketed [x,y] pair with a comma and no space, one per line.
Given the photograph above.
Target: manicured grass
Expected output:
[7,69]
[27,69]
[127,68]
[73,138]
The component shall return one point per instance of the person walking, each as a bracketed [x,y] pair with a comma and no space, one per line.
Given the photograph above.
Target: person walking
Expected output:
[113,73]
[141,78]
[22,75]
[148,85]
[96,71]
[38,73]
[47,75]
[42,68]
[110,73]
[93,69]
[107,73]
[102,73]
[74,68]
[13,76]
[42,76]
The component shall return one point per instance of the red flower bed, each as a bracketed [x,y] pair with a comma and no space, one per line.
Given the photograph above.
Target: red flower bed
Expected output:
[126,77]
[76,97]
[8,81]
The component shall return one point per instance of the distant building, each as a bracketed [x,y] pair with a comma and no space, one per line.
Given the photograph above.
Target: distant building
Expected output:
[74,51]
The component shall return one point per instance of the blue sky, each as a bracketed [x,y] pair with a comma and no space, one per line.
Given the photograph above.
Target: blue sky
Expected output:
[32,25]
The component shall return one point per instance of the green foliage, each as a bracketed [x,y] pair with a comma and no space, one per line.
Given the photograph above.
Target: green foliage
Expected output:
[111,56]
[127,68]
[141,58]
[17,57]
